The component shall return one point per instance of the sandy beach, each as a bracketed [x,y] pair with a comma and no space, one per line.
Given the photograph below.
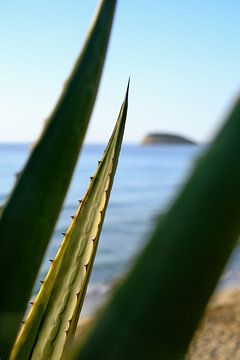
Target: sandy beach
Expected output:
[219,334]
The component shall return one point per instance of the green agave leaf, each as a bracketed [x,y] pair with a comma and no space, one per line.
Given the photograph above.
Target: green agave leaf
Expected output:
[157,309]
[29,217]
[54,315]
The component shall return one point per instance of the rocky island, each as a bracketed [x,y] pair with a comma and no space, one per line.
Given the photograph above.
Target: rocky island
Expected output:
[166,139]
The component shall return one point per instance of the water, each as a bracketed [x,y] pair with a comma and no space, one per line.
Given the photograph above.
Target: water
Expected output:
[147,179]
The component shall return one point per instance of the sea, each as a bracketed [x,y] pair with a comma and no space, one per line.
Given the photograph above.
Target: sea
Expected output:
[148,179]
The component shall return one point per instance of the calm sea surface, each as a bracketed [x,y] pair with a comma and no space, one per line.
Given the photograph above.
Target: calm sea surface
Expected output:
[147,179]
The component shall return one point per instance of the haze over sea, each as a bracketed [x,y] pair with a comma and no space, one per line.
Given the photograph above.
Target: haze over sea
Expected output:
[147,179]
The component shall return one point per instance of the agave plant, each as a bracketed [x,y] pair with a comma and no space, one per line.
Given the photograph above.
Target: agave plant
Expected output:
[156,310]
[28,218]
[51,323]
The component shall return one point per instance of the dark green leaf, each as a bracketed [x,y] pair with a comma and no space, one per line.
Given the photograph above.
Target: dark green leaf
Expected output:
[29,217]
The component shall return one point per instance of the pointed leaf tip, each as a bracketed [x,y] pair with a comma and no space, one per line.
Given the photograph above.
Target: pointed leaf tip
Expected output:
[127,91]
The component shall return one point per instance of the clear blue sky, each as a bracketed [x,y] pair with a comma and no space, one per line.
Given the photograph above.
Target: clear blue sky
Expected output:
[183,58]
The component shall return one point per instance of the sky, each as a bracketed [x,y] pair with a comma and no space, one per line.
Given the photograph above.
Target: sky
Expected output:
[183,58]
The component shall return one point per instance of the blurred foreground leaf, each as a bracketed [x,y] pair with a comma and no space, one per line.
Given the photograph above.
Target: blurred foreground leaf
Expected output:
[28,219]
[155,312]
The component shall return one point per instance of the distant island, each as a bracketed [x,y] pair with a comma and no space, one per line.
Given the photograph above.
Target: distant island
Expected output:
[165,139]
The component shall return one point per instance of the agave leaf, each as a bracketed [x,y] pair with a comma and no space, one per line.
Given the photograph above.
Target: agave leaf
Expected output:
[29,217]
[158,307]
[54,315]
